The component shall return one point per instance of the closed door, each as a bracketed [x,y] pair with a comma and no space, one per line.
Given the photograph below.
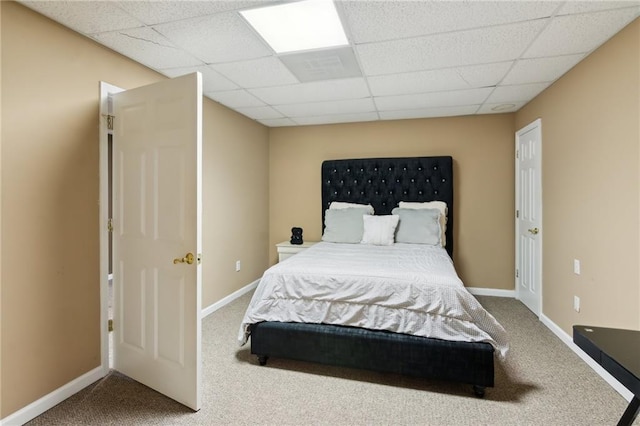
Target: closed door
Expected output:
[529,216]
[156,236]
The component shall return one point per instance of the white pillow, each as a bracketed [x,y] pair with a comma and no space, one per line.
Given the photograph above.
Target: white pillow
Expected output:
[440,205]
[379,230]
[342,205]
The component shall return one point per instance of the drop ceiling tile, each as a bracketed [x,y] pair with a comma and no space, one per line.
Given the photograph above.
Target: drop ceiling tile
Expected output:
[224,37]
[257,73]
[371,21]
[349,106]
[495,44]
[156,12]
[260,113]
[518,93]
[277,122]
[439,80]
[541,69]
[429,112]
[235,99]
[434,99]
[211,80]
[86,17]
[147,47]
[573,7]
[335,119]
[579,33]
[318,91]
[500,108]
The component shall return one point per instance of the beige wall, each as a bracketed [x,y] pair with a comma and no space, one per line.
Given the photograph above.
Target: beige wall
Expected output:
[483,151]
[50,263]
[591,186]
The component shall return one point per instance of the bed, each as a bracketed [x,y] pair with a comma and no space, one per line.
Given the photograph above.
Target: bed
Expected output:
[341,325]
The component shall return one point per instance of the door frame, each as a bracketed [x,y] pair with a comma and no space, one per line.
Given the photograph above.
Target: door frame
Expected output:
[536,123]
[106,109]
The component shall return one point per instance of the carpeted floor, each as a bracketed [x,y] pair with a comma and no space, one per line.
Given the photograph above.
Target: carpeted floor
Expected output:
[542,382]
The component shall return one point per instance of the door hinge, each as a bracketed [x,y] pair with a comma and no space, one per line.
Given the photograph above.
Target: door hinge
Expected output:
[110,118]
[517,273]
[517,214]
[517,153]
[110,225]
[110,325]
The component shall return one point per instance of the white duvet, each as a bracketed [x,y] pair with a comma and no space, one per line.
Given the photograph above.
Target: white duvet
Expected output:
[404,288]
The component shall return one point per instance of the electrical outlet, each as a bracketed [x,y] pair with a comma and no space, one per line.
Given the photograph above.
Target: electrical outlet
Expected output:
[238,266]
[576,303]
[576,266]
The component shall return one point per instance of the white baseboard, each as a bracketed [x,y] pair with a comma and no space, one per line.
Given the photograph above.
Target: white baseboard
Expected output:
[492,292]
[626,393]
[43,404]
[230,298]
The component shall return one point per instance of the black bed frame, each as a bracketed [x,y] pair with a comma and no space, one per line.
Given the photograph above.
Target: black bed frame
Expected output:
[382,182]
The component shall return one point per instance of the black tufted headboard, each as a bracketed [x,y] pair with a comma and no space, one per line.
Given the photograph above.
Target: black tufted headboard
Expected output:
[384,182]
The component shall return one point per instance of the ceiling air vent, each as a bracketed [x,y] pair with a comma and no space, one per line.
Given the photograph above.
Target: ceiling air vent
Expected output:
[317,65]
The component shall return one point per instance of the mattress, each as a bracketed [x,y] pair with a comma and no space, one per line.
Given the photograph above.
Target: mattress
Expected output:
[403,288]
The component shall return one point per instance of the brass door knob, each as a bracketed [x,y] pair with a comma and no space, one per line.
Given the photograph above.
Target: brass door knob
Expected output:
[188,259]
[534,231]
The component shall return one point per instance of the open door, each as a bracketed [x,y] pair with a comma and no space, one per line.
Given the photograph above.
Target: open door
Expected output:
[157,242]
[529,216]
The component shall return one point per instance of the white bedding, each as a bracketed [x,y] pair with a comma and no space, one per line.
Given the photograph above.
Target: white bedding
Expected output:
[404,288]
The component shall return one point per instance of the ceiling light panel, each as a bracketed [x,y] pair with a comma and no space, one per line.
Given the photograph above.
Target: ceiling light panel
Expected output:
[486,45]
[296,26]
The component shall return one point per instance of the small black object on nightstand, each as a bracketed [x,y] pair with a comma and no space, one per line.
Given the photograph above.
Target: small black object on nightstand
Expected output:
[296,236]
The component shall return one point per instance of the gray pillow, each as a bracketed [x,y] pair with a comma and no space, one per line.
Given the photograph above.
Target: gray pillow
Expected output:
[418,226]
[344,225]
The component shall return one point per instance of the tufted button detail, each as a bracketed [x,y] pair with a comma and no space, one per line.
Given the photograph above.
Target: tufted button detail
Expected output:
[435,192]
[405,169]
[390,192]
[362,170]
[355,181]
[435,167]
[377,192]
[444,180]
[412,180]
[369,180]
[334,170]
[397,180]
[420,192]
[335,192]
[390,168]
[361,192]
[419,169]
[348,170]
[428,180]
[384,203]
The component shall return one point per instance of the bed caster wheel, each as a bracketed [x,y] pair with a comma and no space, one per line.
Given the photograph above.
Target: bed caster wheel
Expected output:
[478,391]
[262,359]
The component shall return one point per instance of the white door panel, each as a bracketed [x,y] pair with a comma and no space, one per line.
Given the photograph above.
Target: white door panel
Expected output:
[529,216]
[157,217]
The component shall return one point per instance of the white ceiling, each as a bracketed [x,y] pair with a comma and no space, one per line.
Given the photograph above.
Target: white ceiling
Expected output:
[416,58]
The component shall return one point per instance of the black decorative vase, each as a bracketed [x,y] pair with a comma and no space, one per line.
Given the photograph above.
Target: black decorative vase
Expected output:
[296,236]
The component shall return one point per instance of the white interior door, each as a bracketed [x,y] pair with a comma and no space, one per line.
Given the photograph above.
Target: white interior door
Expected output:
[529,216]
[157,218]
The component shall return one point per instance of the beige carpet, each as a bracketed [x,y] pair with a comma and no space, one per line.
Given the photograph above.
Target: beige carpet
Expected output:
[542,382]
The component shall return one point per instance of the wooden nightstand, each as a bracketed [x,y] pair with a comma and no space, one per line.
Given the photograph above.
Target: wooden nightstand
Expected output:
[286,249]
